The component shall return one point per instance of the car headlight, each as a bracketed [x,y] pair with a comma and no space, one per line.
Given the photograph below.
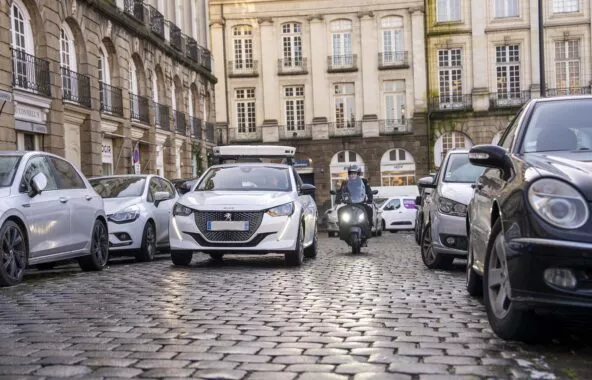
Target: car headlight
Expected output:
[558,203]
[126,216]
[450,207]
[283,210]
[181,210]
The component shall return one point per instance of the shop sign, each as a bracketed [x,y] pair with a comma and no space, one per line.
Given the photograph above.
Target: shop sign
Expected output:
[107,151]
[27,113]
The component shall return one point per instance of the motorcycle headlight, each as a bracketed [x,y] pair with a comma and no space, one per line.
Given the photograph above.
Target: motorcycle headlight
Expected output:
[558,203]
[450,207]
[345,217]
[283,210]
[181,210]
[361,217]
[126,216]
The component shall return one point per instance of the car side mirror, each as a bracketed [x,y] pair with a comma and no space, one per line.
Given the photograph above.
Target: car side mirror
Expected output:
[307,189]
[418,200]
[492,156]
[160,196]
[426,182]
[37,184]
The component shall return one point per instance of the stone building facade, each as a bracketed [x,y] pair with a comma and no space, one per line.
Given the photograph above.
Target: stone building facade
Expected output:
[483,64]
[115,86]
[341,84]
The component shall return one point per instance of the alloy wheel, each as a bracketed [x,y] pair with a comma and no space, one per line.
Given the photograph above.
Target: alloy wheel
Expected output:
[498,283]
[427,251]
[100,244]
[14,252]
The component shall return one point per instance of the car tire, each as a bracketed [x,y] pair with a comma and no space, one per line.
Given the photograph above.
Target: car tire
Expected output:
[13,248]
[506,321]
[311,251]
[294,258]
[148,249]
[474,282]
[99,249]
[431,259]
[382,228]
[181,258]
[417,231]
[217,256]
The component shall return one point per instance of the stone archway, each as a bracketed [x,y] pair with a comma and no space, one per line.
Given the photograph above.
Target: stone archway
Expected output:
[397,168]
[339,165]
[448,141]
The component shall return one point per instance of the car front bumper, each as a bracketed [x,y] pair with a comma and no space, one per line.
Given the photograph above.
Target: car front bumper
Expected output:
[125,236]
[445,227]
[332,226]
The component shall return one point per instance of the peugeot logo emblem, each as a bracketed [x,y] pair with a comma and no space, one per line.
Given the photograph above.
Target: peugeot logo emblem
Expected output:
[228,217]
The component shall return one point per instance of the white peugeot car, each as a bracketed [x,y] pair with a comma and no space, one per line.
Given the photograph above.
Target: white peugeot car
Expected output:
[248,206]
[138,209]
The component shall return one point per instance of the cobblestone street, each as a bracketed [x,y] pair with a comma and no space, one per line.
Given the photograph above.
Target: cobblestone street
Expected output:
[379,315]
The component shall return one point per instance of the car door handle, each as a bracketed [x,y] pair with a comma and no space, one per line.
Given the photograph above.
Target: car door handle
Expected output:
[63,200]
[26,205]
[88,197]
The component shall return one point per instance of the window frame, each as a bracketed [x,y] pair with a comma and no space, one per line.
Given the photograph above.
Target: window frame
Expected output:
[297,103]
[292,44]
[243,50]
[449,12]
[563,4]
[249,104]
[503,11]
[451,70]
[347,98]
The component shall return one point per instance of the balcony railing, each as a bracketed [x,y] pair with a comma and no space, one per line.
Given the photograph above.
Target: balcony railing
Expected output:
[111,99]
[195,127]
[292,66]
[192,50]
[246,68]
[139,108]
[75,87]
[206,59]
[175,36]
[180,122]
[451,103]
[342,63]
[568,91]
[302,131]
[162,116]
[393,59]
[210,132]
[345,128]
[389,126]
[508,99]
[134,8]
[30,73]
[156,21]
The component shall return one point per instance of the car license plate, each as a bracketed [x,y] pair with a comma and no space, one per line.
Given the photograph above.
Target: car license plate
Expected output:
[216,225]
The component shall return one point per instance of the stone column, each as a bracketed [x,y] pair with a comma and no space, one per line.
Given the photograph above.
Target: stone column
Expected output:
[535,76]
[268,58]
[320,86]
[418,42]
[218,51]
[479,60]
[369,62]
[7,131]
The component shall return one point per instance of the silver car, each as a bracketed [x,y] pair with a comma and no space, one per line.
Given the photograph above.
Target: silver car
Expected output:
[444,235]
[48,213]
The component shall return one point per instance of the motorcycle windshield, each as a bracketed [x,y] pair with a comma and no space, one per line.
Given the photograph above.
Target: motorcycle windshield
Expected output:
[356,190]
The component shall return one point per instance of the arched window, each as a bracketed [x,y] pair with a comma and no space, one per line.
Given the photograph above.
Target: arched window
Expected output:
[154,87]
[342,42]
[103,66]
[339,166]
[448,141]
[133,77]
[174,96]
[397,168]
[68,62]
[22,34]
[292,44]
[393,40]
[243,47]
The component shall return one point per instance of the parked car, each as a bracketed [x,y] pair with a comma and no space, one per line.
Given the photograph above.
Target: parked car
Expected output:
[138,209]
[398,214]
[246,207]
[333,227]
[419,201]
[529,226]
[444,211]
[48,213]
[184,185]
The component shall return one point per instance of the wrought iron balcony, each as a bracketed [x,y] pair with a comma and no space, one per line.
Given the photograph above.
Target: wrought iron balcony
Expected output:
[247,68]
[192,50]
[342,63]
[175,37]
[180,122]
[567,91]
[156,21]
[508,99]
[111,99]
[75,87]
[451,103]
[393,59]
[139,108]
[206,59]
[345,128]
[292,66]
[135,8]
[196,128]
[210,132]
[30,73]
[300,131]
[391,126]
[162,116]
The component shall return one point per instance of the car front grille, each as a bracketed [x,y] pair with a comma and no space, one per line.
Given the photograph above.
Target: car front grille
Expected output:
[253,217]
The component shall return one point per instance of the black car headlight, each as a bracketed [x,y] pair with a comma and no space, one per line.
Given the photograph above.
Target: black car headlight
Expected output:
[181,210]
[450,207]
[558,203]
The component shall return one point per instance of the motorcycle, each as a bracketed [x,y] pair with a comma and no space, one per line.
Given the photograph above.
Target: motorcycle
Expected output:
[352,219]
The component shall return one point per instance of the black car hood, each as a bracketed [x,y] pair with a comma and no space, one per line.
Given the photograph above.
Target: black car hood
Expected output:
[573,167]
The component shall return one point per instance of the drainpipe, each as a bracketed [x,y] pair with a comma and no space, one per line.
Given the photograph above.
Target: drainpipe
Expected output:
[428,68]
[542,50]
[227,97]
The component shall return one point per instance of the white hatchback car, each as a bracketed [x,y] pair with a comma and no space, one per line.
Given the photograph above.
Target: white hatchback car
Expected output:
[246,207]
[138,209]
[48,213]
[398,213]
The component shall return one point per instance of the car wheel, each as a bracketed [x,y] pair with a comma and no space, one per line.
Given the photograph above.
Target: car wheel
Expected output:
[430,258]
[311,251]
[382,228]
[99,249]
[148,250]
[474,282]
[216,256]
[181,258]
[295,257]
[505,319]
[417,231]
[13,250]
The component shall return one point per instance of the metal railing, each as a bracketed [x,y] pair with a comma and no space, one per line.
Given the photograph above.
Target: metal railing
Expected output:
[292,66]
[192,50]
[210,132]
[111,99]
[206,59]
[134,8]
[156,21]
[393,59]
[302,131]
[508,99]
[387,126]
[345,128]
[180,122]
[30,73]
[195,127]
[139,108]
[342,62]
[451,102]
[242,68]
[175,36]
[567,91]
[162,116]
[75,87]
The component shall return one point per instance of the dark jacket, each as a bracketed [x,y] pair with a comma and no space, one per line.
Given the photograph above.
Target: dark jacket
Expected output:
[369,195]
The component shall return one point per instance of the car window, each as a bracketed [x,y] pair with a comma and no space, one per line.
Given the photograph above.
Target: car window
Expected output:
[119,187]
[460,170]
[394,204]
[510,134]
[166,186]
[8,167]
[246,178]
[66,176]
[38,164]
[153,188]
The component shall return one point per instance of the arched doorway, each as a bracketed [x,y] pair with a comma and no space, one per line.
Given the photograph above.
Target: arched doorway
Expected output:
[397,168]
[339,165]
[448,141]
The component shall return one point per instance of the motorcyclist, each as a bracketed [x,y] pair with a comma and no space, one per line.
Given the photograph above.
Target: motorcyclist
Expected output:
[353,172]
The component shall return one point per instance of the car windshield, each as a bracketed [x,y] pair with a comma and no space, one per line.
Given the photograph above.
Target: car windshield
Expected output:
[8,167]
[562,125]
[246,178]
[119,187]
[459,169]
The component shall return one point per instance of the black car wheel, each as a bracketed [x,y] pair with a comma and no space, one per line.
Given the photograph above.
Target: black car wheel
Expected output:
[311,251]
[181,258]
[296,257]
[13,251]
[216,256]
[474,282]
[430,258]
[148,249]
[417,230]
[99,249]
